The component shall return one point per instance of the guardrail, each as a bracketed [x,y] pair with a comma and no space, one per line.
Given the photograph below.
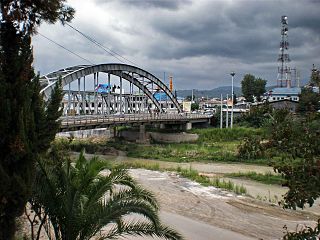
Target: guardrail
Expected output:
[85,120]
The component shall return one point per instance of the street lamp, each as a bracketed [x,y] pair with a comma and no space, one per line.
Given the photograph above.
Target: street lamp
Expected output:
[232,75]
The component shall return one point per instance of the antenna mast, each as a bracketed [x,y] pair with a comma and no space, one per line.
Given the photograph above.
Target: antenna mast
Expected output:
[284,72]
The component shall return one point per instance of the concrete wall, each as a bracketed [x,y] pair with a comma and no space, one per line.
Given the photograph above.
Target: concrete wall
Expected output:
[130,135]
[160,137]
[97,132]
[173,137]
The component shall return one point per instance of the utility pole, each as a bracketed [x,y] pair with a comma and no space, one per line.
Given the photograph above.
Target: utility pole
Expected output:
[192,96]
[221,113]
[232,75]
[227,114]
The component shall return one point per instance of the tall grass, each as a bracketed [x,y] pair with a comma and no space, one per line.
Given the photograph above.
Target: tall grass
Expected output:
[191,174]
[227,134]
[267,178]
[216,182]
[213,145]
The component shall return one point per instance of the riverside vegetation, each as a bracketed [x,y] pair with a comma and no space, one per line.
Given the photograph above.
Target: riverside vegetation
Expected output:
[288,142]
[213,145]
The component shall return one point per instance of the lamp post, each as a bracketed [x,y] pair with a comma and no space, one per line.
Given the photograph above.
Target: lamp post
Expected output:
[227,114]
[232,75]
[221,113]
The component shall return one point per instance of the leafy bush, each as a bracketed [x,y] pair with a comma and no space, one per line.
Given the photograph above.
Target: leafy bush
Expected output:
[267,178]
[226,134]
[305,233]
[256,117]
[250,148]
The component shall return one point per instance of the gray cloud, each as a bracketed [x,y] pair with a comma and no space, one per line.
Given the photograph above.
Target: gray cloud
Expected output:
[164,4]
[198,41]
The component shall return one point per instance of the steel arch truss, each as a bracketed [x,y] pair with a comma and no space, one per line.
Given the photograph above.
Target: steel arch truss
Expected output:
[137,76]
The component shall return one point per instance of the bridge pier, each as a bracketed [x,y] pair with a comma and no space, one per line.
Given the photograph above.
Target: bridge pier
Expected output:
[188,126]
[142,134]
[182,126]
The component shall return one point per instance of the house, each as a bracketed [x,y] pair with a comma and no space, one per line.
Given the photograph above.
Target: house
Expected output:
[277,94]
[286,103]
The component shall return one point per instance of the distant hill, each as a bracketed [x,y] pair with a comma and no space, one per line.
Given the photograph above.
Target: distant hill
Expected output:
[216,92]
[213,93]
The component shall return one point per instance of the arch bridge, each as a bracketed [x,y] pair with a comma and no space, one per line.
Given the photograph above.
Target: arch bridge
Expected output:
[113,100]
[87,105]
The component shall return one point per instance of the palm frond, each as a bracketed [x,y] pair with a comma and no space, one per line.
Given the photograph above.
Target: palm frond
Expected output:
[143,229]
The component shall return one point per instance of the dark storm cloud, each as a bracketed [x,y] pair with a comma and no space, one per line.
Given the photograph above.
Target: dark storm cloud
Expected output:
[198,41]
[244,30]
[165,4]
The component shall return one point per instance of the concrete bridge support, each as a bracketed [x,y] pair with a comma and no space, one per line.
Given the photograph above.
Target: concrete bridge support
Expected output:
[183,126]
[142,134]
[188,126]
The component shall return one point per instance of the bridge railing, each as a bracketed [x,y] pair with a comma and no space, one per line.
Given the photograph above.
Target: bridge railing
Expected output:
[84,120]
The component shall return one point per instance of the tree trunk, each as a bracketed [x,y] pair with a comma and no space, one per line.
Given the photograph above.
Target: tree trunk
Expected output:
[7,227]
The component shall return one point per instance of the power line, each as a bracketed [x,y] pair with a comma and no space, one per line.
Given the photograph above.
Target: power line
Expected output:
[65,48]
[106,49]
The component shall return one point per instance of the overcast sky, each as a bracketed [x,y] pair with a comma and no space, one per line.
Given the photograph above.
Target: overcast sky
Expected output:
[197,41]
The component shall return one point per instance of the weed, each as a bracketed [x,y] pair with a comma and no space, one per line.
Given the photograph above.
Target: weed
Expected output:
[267,178]
[216,182]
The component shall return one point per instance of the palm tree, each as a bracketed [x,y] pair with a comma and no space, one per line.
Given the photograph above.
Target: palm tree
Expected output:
[88,198]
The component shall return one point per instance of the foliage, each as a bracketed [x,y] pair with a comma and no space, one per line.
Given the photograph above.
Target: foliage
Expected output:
[304,233]
[213,145]
[194,106]
[253,87]
[298,140]
[23,120]
[267,178]
[250,148]
[309,101]
[206,181]
[256,117]
[301,169]
[76,201]
[315,76]
[226,134]
[27,125]
[27,15]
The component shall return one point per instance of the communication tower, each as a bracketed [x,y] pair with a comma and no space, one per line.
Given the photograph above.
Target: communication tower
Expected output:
[284,71]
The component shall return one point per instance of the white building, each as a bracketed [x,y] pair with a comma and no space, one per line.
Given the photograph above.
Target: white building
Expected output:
[277,94]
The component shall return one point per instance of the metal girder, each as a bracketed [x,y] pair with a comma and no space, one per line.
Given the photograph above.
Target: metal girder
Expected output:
[137,83]
[71,74]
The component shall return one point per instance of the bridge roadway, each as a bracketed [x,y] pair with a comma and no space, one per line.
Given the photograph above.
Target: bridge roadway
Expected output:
[69,123]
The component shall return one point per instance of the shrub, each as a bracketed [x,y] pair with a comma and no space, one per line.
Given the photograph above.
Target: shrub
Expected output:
[250,148]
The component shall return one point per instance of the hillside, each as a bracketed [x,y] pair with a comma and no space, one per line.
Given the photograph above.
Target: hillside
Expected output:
[213,93]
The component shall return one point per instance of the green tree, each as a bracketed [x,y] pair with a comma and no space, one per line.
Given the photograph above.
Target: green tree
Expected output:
[194,106]
[259,88]
[297,140]
[256,117]
[247,86]
[80,199]
[253,87]
[315,76]
[23,117]
[309,101]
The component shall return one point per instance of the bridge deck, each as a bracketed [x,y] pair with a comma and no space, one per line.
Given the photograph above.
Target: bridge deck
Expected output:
[95,121]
